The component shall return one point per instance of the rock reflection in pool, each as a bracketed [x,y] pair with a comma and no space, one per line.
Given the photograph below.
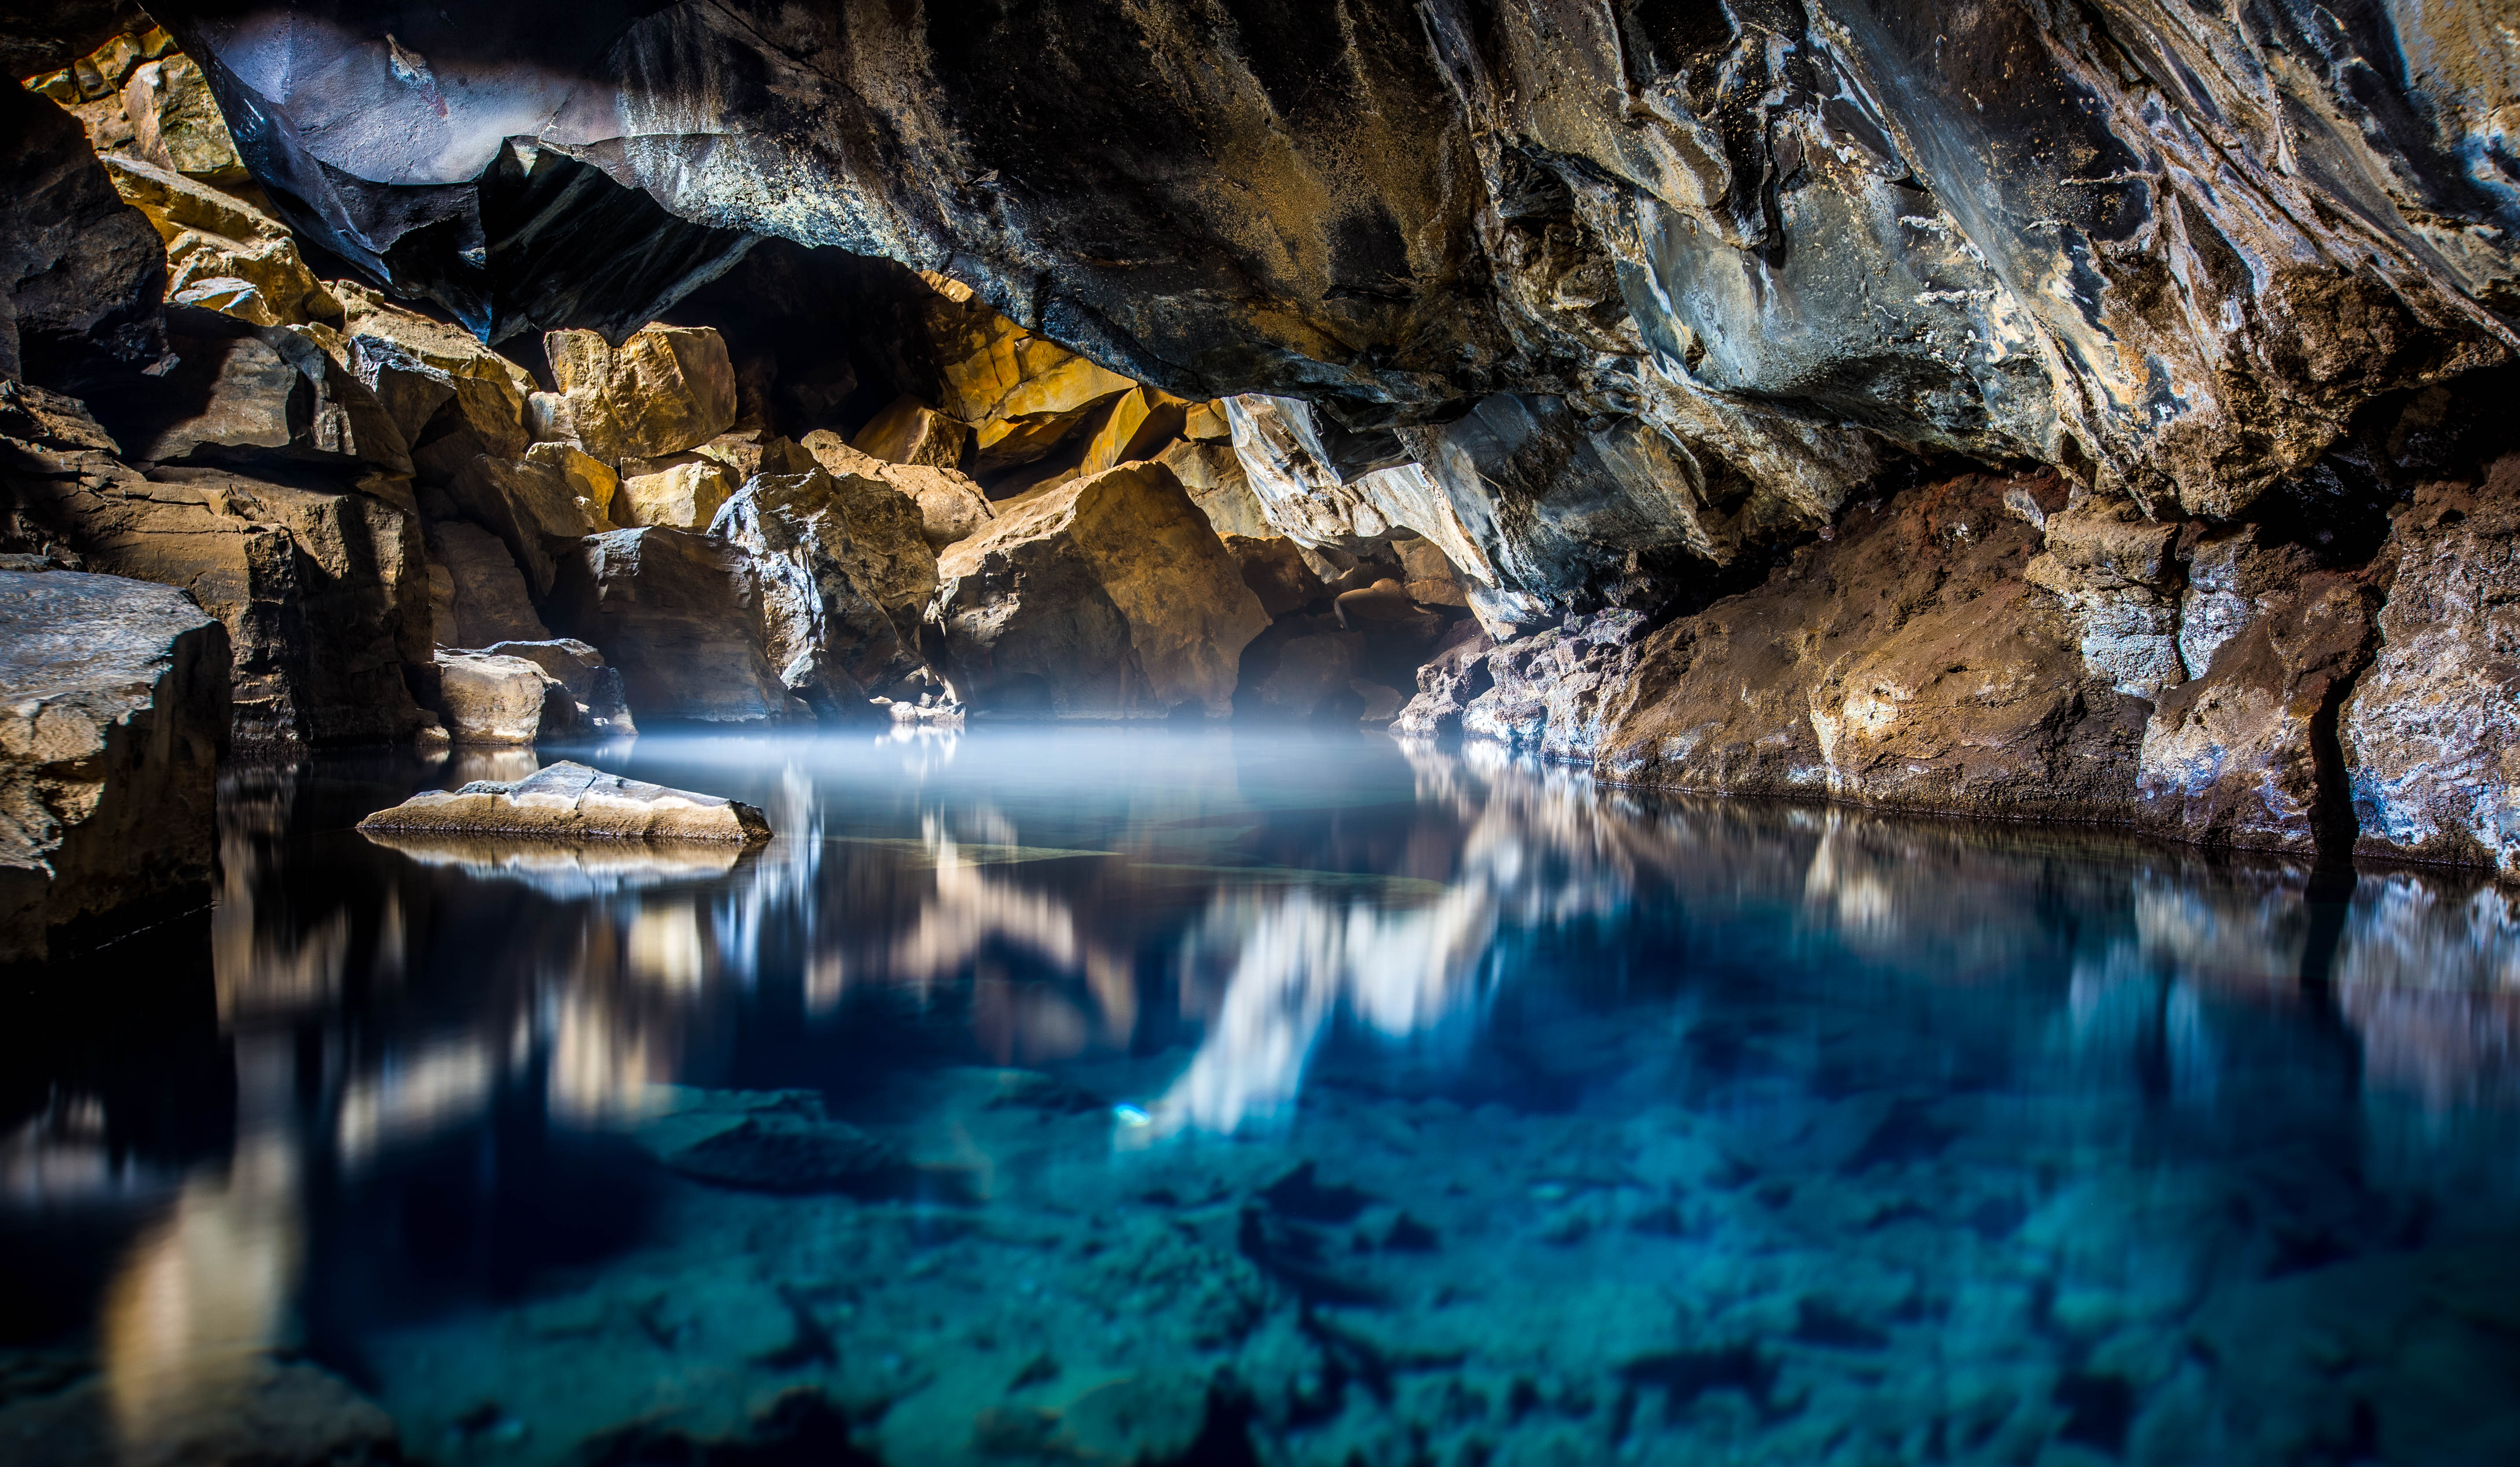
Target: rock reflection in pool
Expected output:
[1159,1096]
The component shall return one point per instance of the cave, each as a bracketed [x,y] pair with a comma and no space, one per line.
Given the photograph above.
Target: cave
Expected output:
[1235,731]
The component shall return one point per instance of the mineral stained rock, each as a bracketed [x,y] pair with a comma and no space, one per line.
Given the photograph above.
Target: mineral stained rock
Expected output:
[112,717]
[1115,584]
[571,802]
[680,615]
[2431,733]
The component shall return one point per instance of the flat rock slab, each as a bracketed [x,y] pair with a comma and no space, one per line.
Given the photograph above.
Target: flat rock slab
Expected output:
[571,802]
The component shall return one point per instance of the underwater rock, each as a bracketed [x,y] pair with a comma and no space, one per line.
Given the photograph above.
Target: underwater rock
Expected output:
[664,389]
[571,802]
[1108,596]
[489,699]
[270,1414]
[768,1141]
[324,589]
[114,714]
[680,615]
[2430,734]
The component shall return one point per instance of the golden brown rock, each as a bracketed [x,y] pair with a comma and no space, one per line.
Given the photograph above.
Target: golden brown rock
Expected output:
[175,122]
[685,496]
[1021,394]
[1107,597]
[222,254]
[590,483]
[665,390]
[485,593]
[1138,423]
[489,700]
[951,507]
[909,431]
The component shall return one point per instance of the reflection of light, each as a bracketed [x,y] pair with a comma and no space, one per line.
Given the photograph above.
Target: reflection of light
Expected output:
[603,1066]
[971,909]
[62,1156]
[666,946]
[407,1098]
[825,976]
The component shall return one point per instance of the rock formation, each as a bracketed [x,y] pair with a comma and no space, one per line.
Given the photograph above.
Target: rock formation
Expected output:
[112,717]
[571,802]
[680,615]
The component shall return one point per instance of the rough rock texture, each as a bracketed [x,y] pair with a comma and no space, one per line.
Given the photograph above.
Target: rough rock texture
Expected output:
[951,506]
[81,273]
[909,431]
[568,800]
[1907,662]
[176,121]
[827,628]
[486,598]
[769,1141]
[2431,735]
[323,588]
[486,698]
[222,254]
[268,1414]
[664,389]
[113,716]
[685,496]
[581,672]
[680,615]
[1115,583]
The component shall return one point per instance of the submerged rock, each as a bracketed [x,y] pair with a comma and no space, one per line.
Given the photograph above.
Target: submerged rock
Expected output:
[114,713]
[769,1141]
[571,802]
[1108,596]
[262,1412]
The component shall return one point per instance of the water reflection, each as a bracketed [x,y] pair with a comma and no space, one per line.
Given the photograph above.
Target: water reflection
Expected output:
[440,1053]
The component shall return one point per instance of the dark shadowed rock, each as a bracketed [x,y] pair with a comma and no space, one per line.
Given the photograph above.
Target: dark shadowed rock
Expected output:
[679,615]
[825,629]
[488,601]
[81,273]
[112,717]
[769,1141]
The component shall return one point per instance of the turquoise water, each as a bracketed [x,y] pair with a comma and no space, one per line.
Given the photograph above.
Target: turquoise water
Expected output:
[1087,1097]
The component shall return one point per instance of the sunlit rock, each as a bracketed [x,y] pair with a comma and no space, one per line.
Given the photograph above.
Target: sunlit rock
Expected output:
[485,698]
[679,615]
[1107,597]
[1022,393]
[112,717]
[664,389]
[176,121]
[571,802]
[685,496]
[222,254]
[1214,475]
[909,431]
[580,671]
[1137,426]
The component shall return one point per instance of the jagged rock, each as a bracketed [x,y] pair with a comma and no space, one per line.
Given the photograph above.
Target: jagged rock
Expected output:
[451,350]
[222,254]
[81,273]
[685,496]
[487,598]
[1106,597]
[580,671]
[1450,680]
[2431,733]
[2235,757]
[909,431]
[486,698]
[679,615]
[1213,475]
[589,485]
[769,1141]
[827,628]
[322,589]
[2115,571]
[114,713]
[1556,691]
[1907,663]
[1022,393]
[1276,572]
[950,505]
[1138,425]
[568,800]
[176,121]
[664,389]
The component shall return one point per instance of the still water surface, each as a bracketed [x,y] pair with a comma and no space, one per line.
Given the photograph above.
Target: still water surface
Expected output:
[1090,1097]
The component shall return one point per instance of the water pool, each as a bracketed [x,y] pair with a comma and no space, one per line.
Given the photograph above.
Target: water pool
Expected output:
[1070,1096]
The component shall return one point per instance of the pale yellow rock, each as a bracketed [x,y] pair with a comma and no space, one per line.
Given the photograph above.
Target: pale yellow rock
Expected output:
[1137,426]
[588,477]
[1108,596]
[665,390]
[685,496]
[175,124]
[1206,423]
[909,431]
[450,349]
[222,254]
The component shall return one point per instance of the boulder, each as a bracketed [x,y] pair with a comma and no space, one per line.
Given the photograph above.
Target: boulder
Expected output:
[589,485]
[1905,663]
[568,800]
[2431,733]
[826,626]
[246,396]
[909,431]
[1276,572]
[664,389]
[114,713]
[487,598]
[1137,425]
[176,121]
[747,452]
[1449,682]
[685,496]
[82,274]
[1213,475]
[950,504]
[1428,576]
[368,315]
[222,254]
[679,615]
[485,698]
[580,671]
[1106,597]
[323,587]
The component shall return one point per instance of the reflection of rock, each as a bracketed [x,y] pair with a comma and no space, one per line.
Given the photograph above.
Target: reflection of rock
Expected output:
[272,1415]
[567,871]
[113,712]
[1107,596]
[680,615]
[571,802]
[767,1142]
[2431,733]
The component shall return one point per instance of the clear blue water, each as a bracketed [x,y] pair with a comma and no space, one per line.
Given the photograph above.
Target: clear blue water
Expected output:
[1088,1097]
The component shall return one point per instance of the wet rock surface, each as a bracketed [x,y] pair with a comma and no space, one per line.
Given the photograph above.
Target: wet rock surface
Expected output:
[112,719]
[571,802]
